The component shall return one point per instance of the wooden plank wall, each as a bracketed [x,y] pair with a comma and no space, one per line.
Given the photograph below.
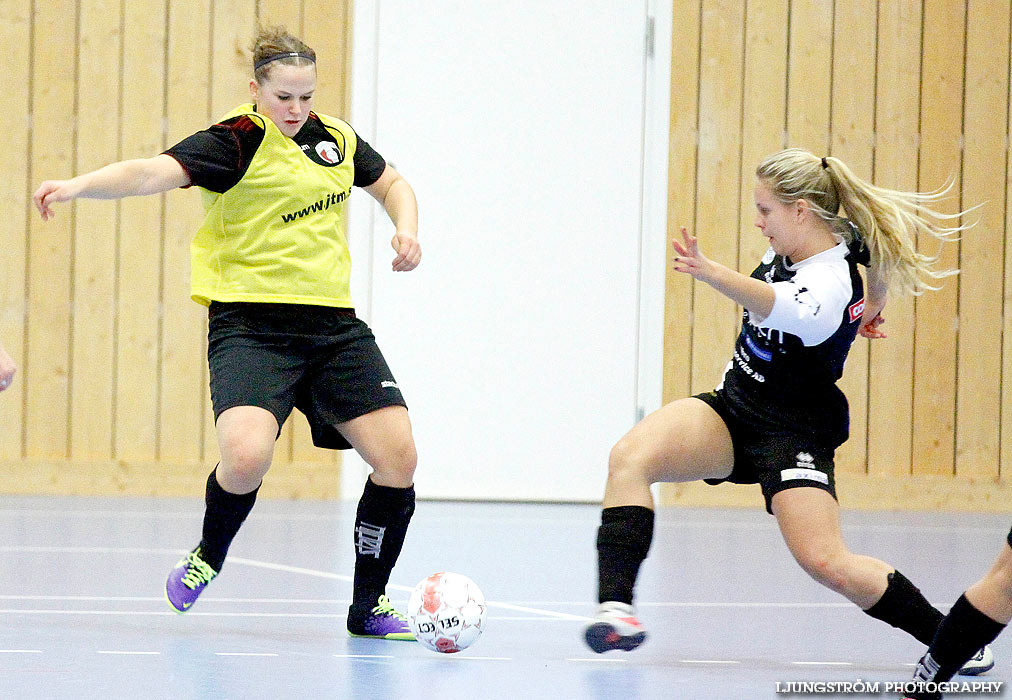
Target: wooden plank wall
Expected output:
[112,393]
[911,93]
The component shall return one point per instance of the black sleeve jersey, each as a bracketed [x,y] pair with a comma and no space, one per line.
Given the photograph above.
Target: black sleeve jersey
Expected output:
[218,157]
[782,376]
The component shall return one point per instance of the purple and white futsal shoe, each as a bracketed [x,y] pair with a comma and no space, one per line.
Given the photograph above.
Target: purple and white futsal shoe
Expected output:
[187,581]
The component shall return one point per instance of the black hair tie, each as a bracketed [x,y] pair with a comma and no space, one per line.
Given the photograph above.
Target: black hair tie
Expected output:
[857,246]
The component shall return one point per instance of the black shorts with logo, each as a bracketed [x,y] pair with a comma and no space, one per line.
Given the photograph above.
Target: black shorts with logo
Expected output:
[319,359]
[775,462]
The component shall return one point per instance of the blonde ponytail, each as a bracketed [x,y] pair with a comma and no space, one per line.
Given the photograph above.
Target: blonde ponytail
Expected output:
[889,220]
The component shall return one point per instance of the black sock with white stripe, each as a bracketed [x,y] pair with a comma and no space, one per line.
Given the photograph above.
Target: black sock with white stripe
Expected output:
[380,526]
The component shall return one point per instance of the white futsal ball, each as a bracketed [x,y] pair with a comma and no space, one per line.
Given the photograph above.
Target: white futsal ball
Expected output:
[446,612]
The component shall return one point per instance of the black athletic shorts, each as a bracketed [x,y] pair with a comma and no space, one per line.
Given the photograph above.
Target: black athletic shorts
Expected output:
[319,359]
[775,462]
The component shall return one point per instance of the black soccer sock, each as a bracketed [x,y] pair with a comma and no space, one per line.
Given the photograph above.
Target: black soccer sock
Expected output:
[623,541]
[960,635]
[223,516]
[380,526]
[903,606]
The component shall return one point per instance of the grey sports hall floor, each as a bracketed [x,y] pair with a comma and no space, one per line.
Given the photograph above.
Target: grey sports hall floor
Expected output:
[729,613]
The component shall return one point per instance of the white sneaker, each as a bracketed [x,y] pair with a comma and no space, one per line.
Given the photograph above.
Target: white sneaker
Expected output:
[981,663]
[615,627]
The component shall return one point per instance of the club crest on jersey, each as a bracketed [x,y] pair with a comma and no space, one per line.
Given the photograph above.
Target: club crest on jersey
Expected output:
[856,310]
[803,296]
[327,150]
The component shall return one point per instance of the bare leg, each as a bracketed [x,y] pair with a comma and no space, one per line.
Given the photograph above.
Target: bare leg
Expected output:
[809,520]
[683,441]
[383,439]
[992,595]
[246,439]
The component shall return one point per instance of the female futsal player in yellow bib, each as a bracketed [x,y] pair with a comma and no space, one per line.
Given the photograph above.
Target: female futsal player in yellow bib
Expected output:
[271,262]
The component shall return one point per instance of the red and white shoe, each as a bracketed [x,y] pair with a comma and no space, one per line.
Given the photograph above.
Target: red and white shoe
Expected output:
[614,627]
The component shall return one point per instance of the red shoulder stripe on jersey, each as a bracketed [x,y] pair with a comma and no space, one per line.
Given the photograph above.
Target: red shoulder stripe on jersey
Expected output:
[855,310]
[242,123]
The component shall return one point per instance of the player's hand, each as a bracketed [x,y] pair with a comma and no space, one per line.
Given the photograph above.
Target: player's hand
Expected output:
[872,318]
[870,328]
[51,192]
[409,252]
[7,370]
[688,259]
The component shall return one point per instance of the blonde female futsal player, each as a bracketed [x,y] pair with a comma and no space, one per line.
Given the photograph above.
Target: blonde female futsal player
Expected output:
[271,263]
[777,416]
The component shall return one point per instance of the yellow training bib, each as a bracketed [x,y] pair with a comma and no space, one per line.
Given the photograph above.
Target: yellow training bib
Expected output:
[280,234]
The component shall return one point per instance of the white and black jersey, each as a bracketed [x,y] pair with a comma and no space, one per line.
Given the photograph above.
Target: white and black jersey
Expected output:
[782,378]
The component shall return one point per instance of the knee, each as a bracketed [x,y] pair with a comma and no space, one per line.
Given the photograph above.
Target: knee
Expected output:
[405,460]
[627,460]
[396,466]
[245,458]
[826,565]
[1001,578]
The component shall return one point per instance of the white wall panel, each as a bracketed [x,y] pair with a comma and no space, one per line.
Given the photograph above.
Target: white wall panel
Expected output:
[520,126]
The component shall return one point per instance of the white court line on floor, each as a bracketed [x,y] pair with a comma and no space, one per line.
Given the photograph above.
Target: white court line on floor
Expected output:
[286,568]
[538,611]
[407,589]
[20,651]
[161,613]
[129,653]
[822,663]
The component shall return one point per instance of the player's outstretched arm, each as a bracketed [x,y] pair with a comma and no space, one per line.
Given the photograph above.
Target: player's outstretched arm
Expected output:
[398,199]
[754,295]
[126,178]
